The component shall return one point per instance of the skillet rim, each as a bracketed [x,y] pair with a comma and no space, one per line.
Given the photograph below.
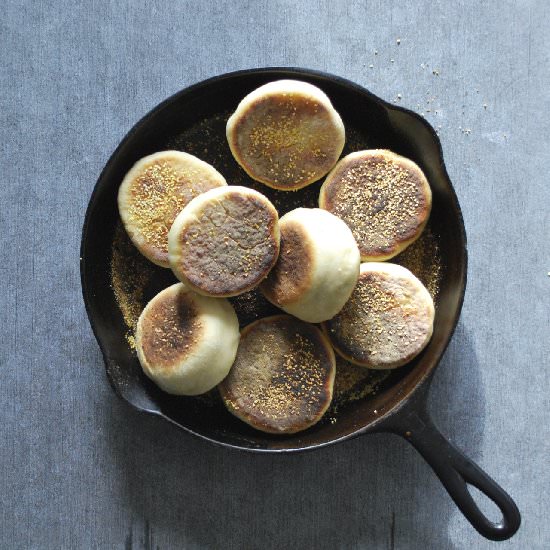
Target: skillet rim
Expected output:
[418,392]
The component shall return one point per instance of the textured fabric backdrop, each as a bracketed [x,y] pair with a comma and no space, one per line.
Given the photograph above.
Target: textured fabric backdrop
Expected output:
[79,468]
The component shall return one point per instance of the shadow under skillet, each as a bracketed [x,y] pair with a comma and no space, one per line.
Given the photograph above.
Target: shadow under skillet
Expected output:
[135,280]
[372,492]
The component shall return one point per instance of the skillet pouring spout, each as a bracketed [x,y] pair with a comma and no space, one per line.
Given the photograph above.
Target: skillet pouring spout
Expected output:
[455,470]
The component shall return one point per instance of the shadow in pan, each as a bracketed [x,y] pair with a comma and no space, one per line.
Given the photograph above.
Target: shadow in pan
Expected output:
[371,492]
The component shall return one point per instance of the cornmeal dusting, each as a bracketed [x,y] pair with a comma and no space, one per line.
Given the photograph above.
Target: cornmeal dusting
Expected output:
[287,140]
[282,376]
[382,202]
[297,385]
[423,258]
[366,318]
[156,201]
[353,383]
[285,133]
[130,272]
[158,195]
[134,280]
[385,322]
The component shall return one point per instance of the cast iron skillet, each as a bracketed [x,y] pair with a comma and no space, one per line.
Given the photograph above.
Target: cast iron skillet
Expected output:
[400,406]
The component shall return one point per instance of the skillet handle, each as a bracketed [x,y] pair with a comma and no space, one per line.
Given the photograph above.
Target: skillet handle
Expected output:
[456,471]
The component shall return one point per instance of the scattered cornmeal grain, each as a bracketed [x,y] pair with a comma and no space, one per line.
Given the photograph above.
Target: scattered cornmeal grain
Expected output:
[151,207]
[353,382]
[131,339]
[423,258]
[134,280]
[130,273]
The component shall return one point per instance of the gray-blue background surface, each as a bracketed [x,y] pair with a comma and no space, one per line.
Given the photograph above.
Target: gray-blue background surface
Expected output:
[79,468]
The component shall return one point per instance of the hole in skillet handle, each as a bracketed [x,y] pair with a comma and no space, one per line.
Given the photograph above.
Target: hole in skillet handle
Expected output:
[455,470]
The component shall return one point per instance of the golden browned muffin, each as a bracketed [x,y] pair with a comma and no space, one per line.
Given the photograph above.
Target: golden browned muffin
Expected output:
[384,198]
[186,342]
[154,192]
[225,241]
[282,379]
[286,134]
[387,321]
[317,268]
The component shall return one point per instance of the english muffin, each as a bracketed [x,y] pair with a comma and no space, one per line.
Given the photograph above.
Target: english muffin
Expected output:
[384,198]
[186,343]
[282,379]
[387,321]
[225,241]
[154,192]
[286,134]
[317,268]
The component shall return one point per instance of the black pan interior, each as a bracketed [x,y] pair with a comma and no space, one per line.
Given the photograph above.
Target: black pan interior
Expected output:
[194,121]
